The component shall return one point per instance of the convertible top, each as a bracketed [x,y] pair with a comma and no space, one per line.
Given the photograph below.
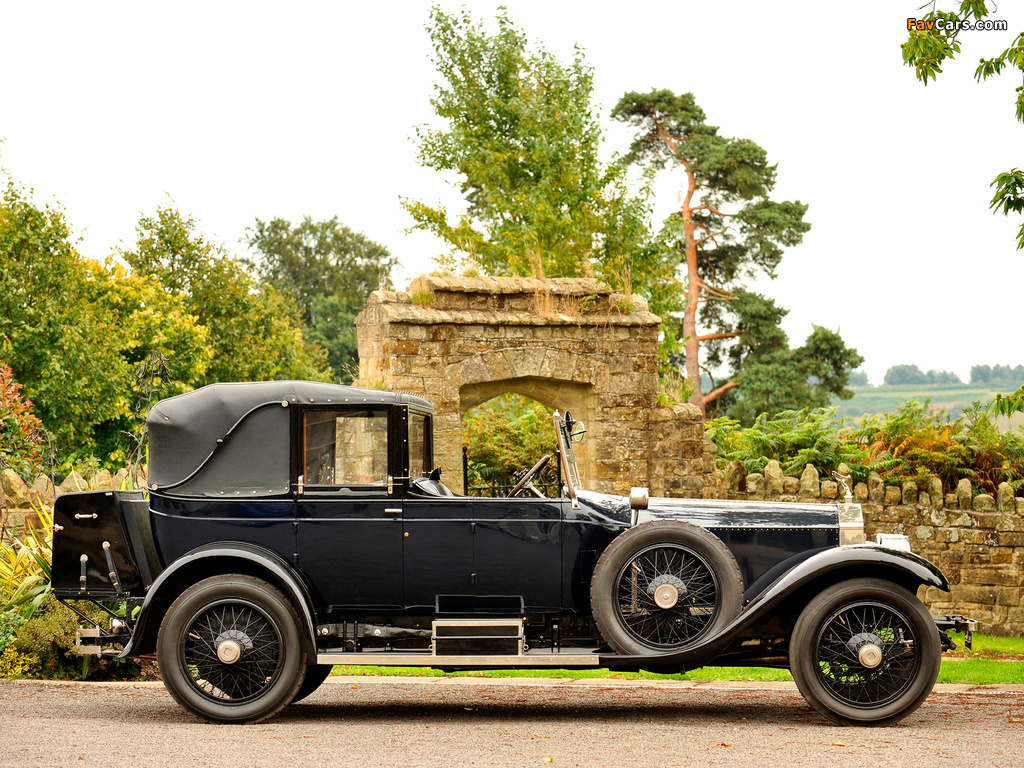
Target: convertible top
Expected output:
[232,439]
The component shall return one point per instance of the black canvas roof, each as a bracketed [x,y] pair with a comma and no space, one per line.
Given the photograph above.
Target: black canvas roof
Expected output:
[254,459]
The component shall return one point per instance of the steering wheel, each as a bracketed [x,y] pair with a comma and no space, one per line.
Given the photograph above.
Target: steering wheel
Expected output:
[530,474]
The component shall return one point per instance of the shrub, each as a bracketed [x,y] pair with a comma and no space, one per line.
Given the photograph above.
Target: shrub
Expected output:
[21,432]
[45,644]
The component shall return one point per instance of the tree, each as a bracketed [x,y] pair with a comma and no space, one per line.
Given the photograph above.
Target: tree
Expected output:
[934,38]
[523,136]
[62,351]
[727,228]
[329,270]
[255,331]
[772,377]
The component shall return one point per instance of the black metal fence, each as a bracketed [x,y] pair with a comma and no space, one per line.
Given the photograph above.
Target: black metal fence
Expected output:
[548,481]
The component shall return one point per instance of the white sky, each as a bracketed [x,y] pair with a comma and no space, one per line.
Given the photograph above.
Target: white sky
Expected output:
[246,110]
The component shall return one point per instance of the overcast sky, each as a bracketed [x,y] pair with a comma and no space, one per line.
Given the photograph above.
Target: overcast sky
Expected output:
[254,110]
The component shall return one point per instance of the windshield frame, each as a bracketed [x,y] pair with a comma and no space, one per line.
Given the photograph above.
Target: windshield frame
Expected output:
[566,455]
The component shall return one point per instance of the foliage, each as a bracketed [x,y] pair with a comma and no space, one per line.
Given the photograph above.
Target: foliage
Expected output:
[507,434]
[58,346]
[150,321]
[913,443]
[911,374]
[727,229]
[793,438]
[927,47]
[46,642]
[25,564]
[997,374]
[10,620]
[523,136]
[1007,405]
[329,270]
[21,430]
[255,331]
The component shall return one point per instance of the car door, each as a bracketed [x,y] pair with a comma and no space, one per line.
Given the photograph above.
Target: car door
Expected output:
[348,516]
[517,550]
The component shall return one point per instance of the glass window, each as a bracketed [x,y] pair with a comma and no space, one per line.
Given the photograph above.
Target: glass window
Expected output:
[419,436]
[345,448]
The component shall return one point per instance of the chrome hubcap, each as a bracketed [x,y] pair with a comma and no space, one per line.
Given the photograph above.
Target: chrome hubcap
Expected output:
[666,596]
[229,651]
[870,655]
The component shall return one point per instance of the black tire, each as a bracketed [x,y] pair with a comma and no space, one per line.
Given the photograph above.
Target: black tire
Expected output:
[704,579]
[315,676]
[841,628]
[231,615]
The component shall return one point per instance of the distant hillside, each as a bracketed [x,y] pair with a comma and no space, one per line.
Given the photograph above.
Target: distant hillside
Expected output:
[952,398]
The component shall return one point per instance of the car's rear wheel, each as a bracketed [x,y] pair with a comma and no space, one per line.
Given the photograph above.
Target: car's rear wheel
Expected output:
[316,674]
[865,652]
[229,650]
[663,586]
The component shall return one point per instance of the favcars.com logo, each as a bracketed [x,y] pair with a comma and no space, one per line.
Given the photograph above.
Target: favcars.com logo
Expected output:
[956,25]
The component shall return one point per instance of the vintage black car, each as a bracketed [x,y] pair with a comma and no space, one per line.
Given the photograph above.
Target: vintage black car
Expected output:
[290,526]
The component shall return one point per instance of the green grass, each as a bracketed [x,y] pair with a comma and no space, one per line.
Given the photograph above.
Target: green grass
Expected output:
[993,661]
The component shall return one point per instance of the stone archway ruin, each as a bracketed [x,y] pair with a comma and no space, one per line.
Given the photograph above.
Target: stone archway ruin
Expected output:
[568,343]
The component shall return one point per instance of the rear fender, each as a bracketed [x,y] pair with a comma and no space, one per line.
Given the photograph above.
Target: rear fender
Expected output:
[823,569]
[212,560]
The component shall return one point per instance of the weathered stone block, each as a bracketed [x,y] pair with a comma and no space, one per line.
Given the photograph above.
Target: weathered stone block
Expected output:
[860,492]
[924,499]
[790,486]
[829,489]
[876,488]
[983,502]
[755,484]
[935,492]
[735,474]
[909,492]
[1004,498]
[892,495]
[809,484]
[963,494]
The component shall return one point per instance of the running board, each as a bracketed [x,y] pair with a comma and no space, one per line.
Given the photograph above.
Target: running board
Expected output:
[427,659]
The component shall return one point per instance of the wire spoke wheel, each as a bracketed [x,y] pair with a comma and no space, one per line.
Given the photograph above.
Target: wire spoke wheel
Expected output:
[683,609]
[865,652]
[230,651]
[258,642]
[845,633]
[662,586]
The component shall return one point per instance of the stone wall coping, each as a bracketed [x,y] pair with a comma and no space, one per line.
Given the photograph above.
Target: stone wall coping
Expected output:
[564,286]
[400,309]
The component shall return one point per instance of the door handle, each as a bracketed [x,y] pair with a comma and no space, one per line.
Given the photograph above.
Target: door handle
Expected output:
[391,511]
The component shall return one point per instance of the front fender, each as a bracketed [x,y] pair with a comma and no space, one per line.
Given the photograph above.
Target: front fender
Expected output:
[904,568]
[255,560]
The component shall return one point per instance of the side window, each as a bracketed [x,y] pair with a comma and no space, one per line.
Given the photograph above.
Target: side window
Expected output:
[345,447]
[419,445]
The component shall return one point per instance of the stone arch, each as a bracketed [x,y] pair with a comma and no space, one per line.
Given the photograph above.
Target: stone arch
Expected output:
[568,343]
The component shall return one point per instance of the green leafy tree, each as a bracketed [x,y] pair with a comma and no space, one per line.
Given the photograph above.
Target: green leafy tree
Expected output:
[329,270]
[255,331]
[933,39]
[727,229]
[63,351]
[149,321]
[523,136]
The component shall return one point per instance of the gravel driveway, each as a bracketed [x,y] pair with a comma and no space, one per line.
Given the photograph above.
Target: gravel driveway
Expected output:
[479,722]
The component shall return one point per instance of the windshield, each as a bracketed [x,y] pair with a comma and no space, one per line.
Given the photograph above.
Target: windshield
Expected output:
[568,430]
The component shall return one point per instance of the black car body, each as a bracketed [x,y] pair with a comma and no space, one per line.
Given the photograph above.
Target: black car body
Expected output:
[290,526]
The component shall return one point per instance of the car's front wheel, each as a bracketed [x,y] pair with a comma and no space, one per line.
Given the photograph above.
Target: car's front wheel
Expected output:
[865,652]
[229,650]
